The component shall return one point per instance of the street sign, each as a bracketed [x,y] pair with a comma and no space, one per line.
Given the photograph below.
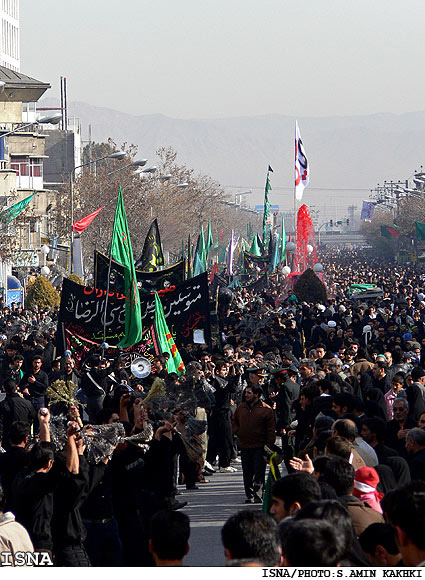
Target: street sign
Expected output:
[272,208]
[26,259]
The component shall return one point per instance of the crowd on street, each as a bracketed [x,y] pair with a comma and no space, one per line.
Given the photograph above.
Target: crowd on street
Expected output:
[332,395]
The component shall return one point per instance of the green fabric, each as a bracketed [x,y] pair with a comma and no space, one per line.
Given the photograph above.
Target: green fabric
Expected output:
[254,249]
[122,252]
[210,241]
[420,230]
[361,286]
[390,232]
[266,206]
[12,212]
[166,341]
[271,478]
[200,252]
[275,259]
[198,267]
[283,241]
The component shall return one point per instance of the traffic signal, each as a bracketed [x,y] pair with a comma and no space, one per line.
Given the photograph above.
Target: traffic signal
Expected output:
[347,221]
[331,223]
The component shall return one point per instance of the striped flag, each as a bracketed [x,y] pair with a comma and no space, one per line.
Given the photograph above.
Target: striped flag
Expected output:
[166,341]
[302,168]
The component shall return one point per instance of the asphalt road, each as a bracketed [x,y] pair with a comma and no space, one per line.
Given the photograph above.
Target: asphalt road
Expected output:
[208,509]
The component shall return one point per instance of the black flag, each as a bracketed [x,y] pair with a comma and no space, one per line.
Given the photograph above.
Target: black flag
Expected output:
[152,255]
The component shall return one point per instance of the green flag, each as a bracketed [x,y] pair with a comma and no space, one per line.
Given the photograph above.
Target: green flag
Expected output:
[200,252]
[420,230]
[283,241]
[166,341]
[254,249]
[198,267]
[275,255]
[266,204]
[390,232]
[122,252]
[274,475]
[12,212]
[210,241]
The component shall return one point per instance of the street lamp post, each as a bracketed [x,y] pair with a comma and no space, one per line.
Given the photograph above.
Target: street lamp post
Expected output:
[49,120]
[116,155]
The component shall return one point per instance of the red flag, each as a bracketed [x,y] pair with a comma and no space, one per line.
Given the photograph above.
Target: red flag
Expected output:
[82,224]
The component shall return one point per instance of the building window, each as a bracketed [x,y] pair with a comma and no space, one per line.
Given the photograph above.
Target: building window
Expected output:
[36,167]
[21,165]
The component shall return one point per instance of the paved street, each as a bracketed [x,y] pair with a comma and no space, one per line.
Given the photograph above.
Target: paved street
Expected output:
[208,509]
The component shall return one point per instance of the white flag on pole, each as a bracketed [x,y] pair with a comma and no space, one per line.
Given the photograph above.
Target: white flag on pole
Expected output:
[230,253]
[302,168]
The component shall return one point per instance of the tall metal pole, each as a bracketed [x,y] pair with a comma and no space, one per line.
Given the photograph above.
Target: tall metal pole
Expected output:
[71,193]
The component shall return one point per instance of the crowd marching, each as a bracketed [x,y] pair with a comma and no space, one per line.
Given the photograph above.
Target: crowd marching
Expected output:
[332,395]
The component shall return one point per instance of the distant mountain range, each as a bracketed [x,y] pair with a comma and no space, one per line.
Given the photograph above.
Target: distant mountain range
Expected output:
[348,155]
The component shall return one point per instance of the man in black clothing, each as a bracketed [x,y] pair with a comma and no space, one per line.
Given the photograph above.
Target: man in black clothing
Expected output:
[415,446]
[398,427]
[33,495]
[289,391]
[15,459]
[219,422]
[70,373]
[94,385]
[13,408]
[10,351]
[34,384]
[159,367]
[381,379]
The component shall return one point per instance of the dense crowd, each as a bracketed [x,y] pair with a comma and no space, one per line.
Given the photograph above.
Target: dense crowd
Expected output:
[333,395]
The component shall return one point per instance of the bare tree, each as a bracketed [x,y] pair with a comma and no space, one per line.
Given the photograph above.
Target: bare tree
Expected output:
[180,200]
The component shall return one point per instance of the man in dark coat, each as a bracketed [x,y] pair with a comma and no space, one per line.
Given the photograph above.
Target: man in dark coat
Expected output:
[289,391]
[13,408]
[253,423]
[219,422]
[415,446]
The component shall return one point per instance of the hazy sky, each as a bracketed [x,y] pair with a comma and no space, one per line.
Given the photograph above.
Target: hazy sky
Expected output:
[192,58]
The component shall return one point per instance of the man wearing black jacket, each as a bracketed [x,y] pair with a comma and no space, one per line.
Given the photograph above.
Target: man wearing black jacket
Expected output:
[94,385]
[13,408]
[219,422]
[34,384]
[14,460]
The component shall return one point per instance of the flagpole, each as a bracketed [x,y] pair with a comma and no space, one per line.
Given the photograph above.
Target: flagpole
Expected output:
[295,213]
[295,190]
[106,301]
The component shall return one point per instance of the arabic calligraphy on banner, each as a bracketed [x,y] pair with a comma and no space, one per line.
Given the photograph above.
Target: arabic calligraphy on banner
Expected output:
[186,308]
[82,348]
[146,281]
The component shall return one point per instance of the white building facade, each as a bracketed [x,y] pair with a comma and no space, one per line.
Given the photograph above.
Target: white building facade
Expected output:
[9,35]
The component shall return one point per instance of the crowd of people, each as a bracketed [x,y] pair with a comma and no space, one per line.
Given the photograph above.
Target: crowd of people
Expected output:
[334,391]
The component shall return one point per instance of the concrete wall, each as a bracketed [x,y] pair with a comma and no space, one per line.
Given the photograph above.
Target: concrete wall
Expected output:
[10,112]
[7,181]
[26,144]
[63,149]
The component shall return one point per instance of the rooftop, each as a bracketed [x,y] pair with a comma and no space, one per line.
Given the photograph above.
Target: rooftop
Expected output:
[20,87]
